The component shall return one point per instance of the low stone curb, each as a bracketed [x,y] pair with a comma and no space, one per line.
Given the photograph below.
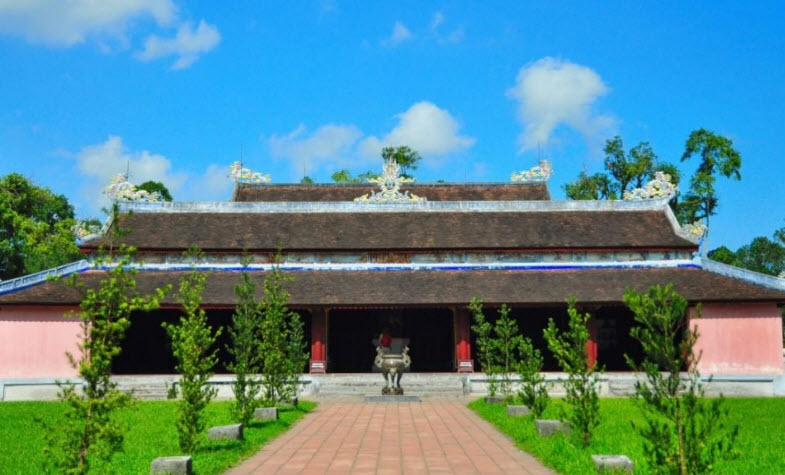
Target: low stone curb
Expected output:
[613,463]
[266,414]
[494,399]
[181,465]
[513,410]
[548,427]
[230,432]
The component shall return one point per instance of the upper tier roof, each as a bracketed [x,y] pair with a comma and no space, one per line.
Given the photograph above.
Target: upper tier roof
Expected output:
[544,225]
[534,191]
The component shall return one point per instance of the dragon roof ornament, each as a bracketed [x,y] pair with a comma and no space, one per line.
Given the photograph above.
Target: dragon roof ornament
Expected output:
[539,172]
[120,189]
[390,182]
[240,174]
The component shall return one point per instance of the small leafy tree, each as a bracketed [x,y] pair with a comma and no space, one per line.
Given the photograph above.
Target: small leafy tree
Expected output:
[192,345]
[151,186]
[92,433]
[485,349]
[683,432]
[506,343]
[569,349]
[533,391]
[244,348]
[283,346]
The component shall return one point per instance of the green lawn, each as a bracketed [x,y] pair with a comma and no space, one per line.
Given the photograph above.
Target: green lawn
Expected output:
[761,440]
[150,433]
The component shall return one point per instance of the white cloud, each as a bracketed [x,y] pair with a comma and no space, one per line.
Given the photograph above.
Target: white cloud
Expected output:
[101,161]
[330,144]
[399,34]
[215,184]
[187,44]
[424,127]
[69,22]
[552,92]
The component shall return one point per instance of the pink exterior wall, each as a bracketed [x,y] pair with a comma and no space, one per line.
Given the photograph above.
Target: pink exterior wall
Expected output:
[33,342]
[739,338]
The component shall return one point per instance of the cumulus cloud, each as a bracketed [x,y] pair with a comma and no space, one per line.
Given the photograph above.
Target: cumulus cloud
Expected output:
[399,34]
[551,92]
[99,162]
[188,44]
[66,23]
[425,127]
[329,145]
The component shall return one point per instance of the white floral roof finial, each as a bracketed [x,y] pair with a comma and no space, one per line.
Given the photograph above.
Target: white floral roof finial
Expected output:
[241,174]
[539,172]
[390,182]
[658,188]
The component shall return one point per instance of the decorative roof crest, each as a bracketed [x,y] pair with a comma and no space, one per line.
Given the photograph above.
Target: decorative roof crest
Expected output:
[539,172]
[390,182]
[240,174]
[120,189]
[658,188]
[695,230]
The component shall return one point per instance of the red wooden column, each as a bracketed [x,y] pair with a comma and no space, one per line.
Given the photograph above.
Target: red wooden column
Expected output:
[318,341]
[463,347]
[591,345]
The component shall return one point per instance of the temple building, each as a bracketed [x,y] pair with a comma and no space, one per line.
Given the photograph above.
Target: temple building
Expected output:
[409,257]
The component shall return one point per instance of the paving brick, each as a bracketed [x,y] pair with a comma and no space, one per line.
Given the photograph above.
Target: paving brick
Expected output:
[436,436]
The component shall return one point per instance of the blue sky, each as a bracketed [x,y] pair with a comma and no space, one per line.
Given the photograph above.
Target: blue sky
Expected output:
[179,89]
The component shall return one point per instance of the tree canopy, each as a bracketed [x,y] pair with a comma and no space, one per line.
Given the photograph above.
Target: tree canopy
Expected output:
[156,187]
[762,254]
[35,228]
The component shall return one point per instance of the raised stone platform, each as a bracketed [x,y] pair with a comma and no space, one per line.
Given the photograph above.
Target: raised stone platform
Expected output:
[391,399]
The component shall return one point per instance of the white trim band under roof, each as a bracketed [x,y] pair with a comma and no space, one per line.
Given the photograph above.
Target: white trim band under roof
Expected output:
[352,207]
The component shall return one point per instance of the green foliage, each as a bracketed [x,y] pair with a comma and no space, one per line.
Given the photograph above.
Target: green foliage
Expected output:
[590,187]
[282,347]
[306,180]
[244,348]
[192,345]
[506,345]
[92,433]
[156,187]
[533,391]
[485,348]
[345,176]
[406,158]
[683,432]
[717,156]
[569,349]
[35,228]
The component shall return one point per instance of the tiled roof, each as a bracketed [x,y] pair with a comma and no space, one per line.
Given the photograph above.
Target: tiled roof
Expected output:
[442,287]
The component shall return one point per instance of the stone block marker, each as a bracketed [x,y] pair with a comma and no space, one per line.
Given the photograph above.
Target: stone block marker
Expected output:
[513,410]
[230,432]
[494,399]
[266,414]
[181,465]
[548,427]
[613,463]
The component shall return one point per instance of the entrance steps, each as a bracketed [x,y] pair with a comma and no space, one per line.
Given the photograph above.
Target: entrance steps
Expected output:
[360,384]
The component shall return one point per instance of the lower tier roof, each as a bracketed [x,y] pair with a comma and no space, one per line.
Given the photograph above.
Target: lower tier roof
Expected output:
[437,287]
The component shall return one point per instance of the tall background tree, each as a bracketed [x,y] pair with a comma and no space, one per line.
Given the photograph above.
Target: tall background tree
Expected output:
[717,155]
[35,228]
[406,158]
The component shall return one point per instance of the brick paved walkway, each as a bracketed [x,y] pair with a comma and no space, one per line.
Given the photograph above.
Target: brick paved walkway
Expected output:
[435,436]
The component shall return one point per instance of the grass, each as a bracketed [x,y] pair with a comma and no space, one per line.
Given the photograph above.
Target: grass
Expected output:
[761,440]
[150,433]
